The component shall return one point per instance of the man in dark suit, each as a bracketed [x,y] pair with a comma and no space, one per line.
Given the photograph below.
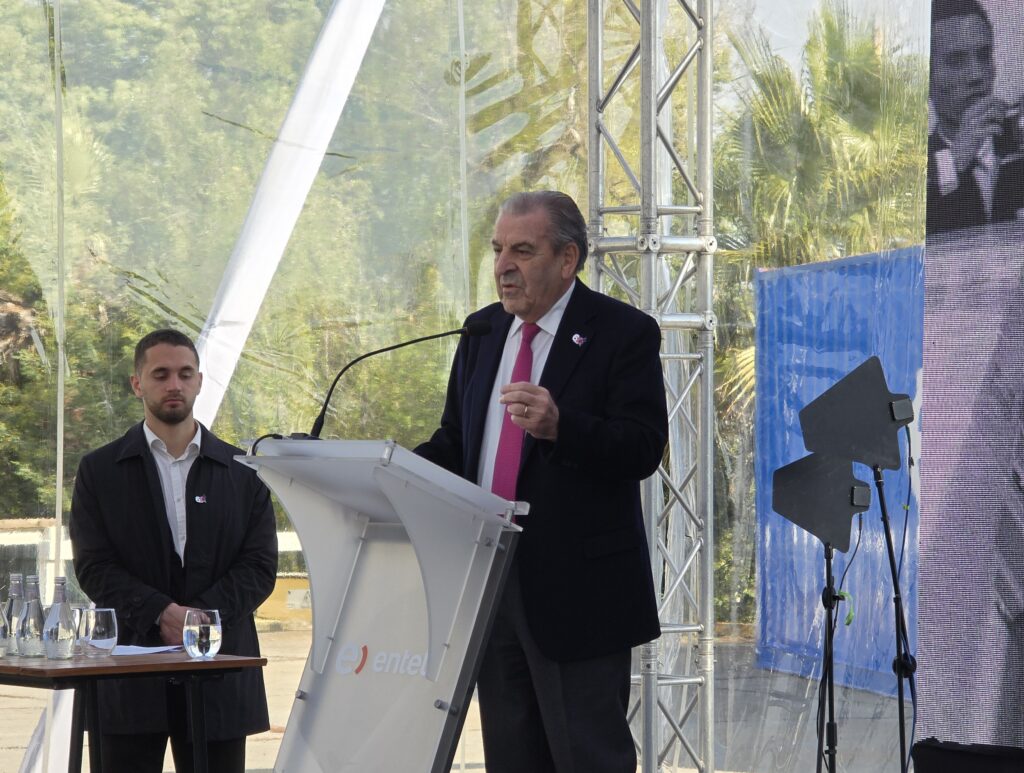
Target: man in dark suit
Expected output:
[164,519]
[975,153]
[591,423]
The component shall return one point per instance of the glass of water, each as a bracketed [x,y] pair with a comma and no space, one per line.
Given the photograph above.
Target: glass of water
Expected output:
[202,633]
[76,617]
[97,632]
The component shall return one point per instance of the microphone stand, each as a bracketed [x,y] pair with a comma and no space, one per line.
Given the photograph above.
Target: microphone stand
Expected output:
[472,329]
[904,665]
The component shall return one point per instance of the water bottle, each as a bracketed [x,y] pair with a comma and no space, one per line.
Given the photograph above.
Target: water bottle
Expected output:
[5,631]
[59,630]
[30,625]
[13,609]
[15,582]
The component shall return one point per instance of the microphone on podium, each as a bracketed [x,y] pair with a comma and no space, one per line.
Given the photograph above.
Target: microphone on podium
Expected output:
[473,329]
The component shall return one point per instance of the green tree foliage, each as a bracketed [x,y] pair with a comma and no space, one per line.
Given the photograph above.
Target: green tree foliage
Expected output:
[24,467]
[816,163]
[169,111]
[526,112]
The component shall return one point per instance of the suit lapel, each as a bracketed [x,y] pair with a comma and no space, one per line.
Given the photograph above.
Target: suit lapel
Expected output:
[159,508]
[574,334]
[136,445]
[480,386]
[572,338]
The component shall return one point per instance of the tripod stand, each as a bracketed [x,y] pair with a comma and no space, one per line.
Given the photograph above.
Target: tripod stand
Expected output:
[819,494]
[828,732]
[904,664]
[856,419]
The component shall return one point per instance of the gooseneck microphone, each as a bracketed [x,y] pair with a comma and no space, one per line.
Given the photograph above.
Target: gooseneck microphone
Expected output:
[473,329]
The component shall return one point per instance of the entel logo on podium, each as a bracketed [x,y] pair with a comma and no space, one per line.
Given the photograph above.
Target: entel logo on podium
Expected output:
[353,659]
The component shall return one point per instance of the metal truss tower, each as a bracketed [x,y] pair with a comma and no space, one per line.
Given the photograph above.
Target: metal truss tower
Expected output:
[651,234]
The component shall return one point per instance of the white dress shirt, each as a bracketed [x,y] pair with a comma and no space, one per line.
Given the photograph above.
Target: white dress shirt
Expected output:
[541,347]
[173,476]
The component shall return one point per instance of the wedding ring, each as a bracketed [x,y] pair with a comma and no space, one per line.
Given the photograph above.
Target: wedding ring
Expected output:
[526,410]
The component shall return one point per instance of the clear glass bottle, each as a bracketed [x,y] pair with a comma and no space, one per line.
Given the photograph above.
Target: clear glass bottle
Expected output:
[5,631]
[15,582]
[30,624]
[13,609]
[59,629]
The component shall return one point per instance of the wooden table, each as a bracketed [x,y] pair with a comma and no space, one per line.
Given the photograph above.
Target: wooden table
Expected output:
[81,674]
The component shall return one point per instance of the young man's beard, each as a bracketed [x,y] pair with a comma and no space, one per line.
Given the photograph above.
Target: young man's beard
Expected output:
[172,415]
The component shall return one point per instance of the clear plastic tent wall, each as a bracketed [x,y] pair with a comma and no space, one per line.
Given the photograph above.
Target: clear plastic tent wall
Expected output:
[820,156]
[134,136]
[135,139]
[817,323]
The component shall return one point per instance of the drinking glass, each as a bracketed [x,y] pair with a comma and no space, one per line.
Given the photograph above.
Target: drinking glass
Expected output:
[76,617]
[202,633]
[97,632]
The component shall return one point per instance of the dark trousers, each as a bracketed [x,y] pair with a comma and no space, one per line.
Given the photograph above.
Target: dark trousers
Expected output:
[541,716]
[144,752]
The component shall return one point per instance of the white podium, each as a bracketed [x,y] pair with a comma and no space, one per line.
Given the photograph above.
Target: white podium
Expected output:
[405,562]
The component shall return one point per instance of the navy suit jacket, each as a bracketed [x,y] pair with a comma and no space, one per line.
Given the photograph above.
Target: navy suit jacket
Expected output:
[584,565]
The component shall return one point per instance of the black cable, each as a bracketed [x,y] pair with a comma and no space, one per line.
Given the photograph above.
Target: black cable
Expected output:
[912,684]
[906,506]
[261,438]
[820,726]
[853,555]
[835,623]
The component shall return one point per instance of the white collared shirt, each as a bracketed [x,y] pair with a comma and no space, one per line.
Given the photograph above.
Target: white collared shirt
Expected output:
[173,476]
[541,347]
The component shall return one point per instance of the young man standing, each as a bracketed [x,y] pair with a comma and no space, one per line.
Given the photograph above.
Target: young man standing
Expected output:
[163,519]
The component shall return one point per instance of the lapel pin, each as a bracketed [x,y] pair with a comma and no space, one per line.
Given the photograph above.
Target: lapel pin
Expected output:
[578,339]
[201,499]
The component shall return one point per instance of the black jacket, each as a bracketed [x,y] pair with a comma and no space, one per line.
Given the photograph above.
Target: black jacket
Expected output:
[964,207]
[124,558]
[584,565]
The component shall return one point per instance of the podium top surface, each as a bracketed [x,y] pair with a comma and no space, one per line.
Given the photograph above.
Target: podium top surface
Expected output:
[341,470]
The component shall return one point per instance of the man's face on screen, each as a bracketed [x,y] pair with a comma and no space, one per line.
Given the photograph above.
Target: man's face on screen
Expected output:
[962,69]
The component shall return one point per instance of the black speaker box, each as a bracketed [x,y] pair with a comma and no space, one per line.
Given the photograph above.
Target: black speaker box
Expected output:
[934,756]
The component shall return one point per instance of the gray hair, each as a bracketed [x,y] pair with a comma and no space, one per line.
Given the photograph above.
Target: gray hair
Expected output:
[567,223]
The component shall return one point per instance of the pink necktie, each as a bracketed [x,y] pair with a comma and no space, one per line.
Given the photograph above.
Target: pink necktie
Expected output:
[510,441]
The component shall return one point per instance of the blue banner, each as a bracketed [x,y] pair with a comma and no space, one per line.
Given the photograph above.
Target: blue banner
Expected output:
[816,323]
